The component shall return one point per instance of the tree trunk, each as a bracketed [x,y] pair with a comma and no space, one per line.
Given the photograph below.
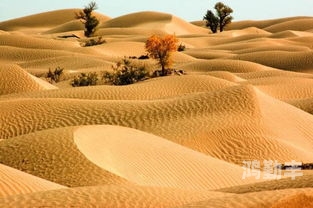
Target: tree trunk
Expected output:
[163,70]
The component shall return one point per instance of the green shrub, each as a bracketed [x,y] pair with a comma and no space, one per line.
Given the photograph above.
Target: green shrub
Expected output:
[54,76]
[125,73]
[84,79]
[90,21]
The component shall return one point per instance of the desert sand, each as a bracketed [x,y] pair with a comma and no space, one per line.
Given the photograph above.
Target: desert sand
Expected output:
[174,141]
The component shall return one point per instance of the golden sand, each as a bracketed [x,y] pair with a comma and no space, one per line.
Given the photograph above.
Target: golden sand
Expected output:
[175,141]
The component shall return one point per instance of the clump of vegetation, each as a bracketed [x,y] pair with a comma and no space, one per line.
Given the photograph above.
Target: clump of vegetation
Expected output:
[220,19]
[125,73]
[85,79]
[181,47]
[93,42]
[55,75]
[87,18]
[161,48]
[142,57]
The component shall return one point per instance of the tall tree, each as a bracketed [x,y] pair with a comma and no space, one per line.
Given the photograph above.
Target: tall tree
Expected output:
[223,12]
[160,48]
[212,21]
[220,19]
[90,21]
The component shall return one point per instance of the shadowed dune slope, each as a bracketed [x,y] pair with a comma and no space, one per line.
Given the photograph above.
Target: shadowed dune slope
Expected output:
[53,155]
[302,200]
[14,79]
[15,182]
[259,199]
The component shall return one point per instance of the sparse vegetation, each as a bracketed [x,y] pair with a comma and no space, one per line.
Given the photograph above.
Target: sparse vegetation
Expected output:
[93,42]
[160,48]
[55,75]
[181,47]
[87,18]
[219,20]
[125,73]
[85,79]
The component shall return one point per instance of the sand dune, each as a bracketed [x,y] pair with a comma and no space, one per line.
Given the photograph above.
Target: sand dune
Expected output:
[43,20]
[165,163]
[110,196]
[166,22]
[53,155]
[263,23]
[153,89]
[245,108]
[259,199]
[14,79]
[281,59]
[298,25]
[234,66]
[14,182]
[174,141]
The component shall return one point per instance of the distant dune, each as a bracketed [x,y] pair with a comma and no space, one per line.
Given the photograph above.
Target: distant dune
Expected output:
[175,141]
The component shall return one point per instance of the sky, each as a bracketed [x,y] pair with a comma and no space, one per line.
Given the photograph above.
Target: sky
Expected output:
[189,10]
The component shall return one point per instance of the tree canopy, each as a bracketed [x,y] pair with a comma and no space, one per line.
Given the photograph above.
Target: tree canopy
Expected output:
[220,19]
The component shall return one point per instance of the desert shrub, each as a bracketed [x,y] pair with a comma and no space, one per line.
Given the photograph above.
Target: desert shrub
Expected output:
[181,47]
[84,79]
[125,73]
[220,19]
[161,48]
[142,57]
[93,42]
[87,18]
[55,75]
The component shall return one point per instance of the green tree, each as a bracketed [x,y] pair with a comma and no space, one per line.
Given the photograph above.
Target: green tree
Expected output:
[90,21]
[223,12]
[219,20]
[212,21]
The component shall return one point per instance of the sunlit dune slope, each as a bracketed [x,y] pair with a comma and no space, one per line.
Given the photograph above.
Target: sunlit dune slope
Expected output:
[111,197]
[14,79]
[15,182]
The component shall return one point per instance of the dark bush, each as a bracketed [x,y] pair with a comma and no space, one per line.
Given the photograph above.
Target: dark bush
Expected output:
[181,47]
[84,79]
[93,42]
[125,73]
[54,76]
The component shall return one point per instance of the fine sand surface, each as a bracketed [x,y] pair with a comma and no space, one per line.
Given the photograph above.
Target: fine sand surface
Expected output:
[175,141]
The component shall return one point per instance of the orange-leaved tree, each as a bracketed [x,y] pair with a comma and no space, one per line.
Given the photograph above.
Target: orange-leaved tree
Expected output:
[160,48]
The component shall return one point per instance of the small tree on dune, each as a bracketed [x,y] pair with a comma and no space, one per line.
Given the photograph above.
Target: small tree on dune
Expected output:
[90,21]
[220,19]
[212,21]
[161,48]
